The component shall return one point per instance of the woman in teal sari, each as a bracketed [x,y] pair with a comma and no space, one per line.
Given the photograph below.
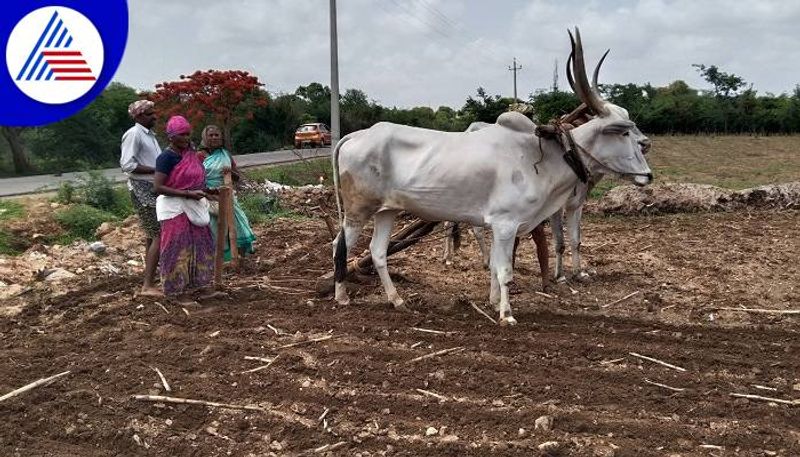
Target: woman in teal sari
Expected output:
[218,159]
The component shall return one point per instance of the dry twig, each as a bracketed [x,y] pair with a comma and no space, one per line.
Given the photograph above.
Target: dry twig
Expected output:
[764,311]
[546,295]
[478,309]
[432,394]
[621,299]
[436,354]
[660,362]
[33,385]
[609,362]
[425,330]
[258,359]
[315,340]
[674,389]
[162,307]
[163,379]
[329,447]
[188,401]
[770,399]
[262,367]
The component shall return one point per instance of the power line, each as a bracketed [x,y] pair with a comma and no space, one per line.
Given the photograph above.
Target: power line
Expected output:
[410,12]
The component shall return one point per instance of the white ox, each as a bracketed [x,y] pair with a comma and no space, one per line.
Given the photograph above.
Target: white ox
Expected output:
[484,178]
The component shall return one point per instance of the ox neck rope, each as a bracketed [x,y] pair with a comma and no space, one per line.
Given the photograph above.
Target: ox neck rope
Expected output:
[556,130]
[573,159]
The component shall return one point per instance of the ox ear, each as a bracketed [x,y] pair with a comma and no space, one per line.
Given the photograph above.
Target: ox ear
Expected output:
[618,127]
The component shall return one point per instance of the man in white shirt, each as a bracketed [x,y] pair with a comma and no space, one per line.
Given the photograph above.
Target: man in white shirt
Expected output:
[138,160]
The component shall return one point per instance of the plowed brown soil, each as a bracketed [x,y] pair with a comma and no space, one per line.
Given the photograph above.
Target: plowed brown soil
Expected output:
[359,393]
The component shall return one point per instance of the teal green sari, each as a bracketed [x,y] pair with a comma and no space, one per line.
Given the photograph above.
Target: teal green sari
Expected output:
[214,163]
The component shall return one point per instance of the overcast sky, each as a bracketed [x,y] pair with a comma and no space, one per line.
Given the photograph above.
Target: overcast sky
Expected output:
[437,52]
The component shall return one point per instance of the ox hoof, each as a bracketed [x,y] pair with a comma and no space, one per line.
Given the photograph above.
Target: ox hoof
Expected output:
[507,321]
[343,302]
[561,279]
[581,276]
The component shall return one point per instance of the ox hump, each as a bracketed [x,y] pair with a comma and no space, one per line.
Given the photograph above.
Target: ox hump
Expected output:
[517,122]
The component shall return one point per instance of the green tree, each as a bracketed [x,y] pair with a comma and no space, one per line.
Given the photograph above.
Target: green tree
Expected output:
[725,84]
[549,104]
[19,156]
[317,99]
[485,108]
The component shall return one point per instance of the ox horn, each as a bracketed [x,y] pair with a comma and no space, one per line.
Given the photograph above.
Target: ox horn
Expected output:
[582,88]
[570,79]
[595,86]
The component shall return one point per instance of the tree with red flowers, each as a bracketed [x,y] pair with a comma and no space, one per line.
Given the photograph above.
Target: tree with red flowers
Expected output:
[212,96]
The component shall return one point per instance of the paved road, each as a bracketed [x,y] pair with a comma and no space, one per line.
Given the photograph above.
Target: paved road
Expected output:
[43,183]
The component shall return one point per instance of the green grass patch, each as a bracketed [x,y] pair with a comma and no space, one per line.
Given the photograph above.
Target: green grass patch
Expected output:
[294,174]
[261,208]
[602,188]
[81,221]
[11,210]
[7,246]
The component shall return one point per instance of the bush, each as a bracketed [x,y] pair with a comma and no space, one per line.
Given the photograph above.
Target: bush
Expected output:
[123,207]
[98,191]
[81,221]
[66,193]
[259,207]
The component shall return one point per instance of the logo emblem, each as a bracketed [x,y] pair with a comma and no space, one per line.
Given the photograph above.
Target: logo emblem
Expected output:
[54,55]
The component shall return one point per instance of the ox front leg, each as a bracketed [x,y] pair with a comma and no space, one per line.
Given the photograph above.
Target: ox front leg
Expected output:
[481,239]
[574,227]
[557,222]
[502,270]
[384,221]
[342,246]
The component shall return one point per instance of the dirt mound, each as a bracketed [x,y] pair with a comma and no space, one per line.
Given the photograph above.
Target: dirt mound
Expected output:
[689,198]
[55,268]
[307,200]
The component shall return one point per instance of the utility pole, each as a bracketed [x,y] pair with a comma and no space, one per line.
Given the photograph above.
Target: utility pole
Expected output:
[514,69]
[335,129]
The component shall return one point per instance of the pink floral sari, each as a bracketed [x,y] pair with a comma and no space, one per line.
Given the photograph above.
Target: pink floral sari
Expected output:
[187,251]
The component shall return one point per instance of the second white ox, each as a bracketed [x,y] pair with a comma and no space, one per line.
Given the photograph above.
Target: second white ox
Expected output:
[484,178]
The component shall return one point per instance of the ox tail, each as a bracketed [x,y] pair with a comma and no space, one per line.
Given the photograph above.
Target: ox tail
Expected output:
[335,162]
[456,235]
[340,258]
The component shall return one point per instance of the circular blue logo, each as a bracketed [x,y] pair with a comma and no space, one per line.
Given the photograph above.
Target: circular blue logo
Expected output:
[59,57]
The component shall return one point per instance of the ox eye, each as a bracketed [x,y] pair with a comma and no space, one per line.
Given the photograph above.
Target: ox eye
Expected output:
[626,134]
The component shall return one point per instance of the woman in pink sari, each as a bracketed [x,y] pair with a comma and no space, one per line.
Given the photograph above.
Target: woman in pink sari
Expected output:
[187,250]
